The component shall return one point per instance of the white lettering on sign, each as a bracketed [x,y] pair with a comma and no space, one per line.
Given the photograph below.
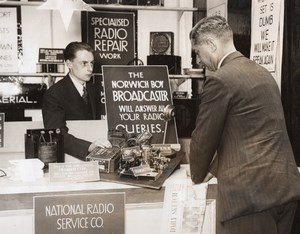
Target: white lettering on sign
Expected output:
[129,84]
[84,222]
[80,213]
[116,22]
[148,96]
[110,36]
[138,128]
[15,99]
[264,35]
[110,45]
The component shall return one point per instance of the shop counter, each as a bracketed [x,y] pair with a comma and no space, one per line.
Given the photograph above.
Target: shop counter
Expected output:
[143,206]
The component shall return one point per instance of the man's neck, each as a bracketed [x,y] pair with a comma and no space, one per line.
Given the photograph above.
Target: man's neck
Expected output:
[228,49]
[76,80]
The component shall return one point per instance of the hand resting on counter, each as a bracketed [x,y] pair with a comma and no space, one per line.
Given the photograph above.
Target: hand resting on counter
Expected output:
[100,142]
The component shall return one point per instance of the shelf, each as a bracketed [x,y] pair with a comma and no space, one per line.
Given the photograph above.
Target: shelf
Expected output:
[34,74]
[186,77]
[62,75]
[147,8]
[107,6]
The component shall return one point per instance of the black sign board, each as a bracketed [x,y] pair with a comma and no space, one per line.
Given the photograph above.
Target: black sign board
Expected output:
[136,97]
[80,213]
[15,95]
[112,35]
[47,55]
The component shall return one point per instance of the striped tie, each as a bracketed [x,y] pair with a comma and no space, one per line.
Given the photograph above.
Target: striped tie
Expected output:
[85,95]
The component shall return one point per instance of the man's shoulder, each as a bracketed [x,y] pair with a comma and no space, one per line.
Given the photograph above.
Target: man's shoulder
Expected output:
[62,83]
[58,89]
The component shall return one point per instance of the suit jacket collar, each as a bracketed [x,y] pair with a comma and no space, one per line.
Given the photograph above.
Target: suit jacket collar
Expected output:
[70,85]
[231,57]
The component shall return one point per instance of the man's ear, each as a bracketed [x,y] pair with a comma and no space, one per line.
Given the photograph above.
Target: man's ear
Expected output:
[212,44]
[68,63]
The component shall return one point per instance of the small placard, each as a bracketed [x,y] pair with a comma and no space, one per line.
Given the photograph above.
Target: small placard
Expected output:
[74,172]
[2,117]
[180,94]
[80,213]
[47,55]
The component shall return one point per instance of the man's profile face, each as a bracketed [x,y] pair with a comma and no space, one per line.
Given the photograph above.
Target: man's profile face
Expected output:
[81,67]
[205,55]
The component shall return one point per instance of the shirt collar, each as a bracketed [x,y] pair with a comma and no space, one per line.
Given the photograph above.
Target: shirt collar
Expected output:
[77,85]
[226,55]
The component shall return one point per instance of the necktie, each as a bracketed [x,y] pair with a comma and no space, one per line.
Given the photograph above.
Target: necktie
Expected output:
[85,95]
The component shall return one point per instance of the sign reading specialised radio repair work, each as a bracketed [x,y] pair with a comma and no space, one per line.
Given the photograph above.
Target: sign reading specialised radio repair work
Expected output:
[136,98]
[80,213]
[112,36]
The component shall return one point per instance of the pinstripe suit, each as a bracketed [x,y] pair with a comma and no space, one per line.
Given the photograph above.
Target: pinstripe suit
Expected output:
[241,117]
[62,102]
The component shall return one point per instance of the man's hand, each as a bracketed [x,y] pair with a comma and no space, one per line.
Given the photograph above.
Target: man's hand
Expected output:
[208,177]
[101,142]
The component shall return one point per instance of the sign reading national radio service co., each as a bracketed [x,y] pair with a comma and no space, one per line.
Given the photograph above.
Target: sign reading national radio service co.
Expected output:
[136,97]
[112,36]
[80,213]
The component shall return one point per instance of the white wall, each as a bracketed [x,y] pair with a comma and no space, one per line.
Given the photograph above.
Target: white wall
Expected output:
[44,28]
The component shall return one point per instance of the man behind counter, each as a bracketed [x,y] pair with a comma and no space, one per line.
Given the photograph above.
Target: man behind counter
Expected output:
[74,98]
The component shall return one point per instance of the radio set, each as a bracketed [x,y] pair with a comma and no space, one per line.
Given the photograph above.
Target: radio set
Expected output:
[107,158]
[130,155]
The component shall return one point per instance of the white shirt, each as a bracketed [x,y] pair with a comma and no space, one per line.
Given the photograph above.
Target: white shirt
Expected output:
[221,61]
[77,85]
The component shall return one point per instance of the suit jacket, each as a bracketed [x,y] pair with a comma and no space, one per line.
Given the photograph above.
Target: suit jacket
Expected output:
[241,118]
[62,102]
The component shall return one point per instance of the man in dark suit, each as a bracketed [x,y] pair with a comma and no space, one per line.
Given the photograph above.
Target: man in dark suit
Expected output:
[74,98]
[241,126]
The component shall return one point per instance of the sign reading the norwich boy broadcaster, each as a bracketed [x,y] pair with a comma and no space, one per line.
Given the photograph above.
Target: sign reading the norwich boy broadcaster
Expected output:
[265,31]
[136,97]
[80,213]
[111,34]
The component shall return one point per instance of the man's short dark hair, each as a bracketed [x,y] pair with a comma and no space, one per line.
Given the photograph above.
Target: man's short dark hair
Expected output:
[216,26]
[73,47]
